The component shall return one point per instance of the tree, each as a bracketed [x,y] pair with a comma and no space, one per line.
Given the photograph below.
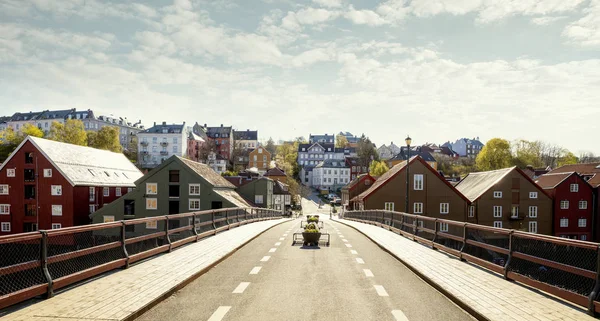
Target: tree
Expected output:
[106,138]
[132,148]
[287,158]
[229,173]
[206,148]
[587,157]
[494,155]
[366,151]
[270,146]
[568,159]
[71,132]
[9,139]
[527,153]
[378,168]
[341,141]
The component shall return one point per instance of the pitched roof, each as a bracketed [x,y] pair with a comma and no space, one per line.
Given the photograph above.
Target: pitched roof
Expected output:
[233,197]
[206,172]
[171,128]
[86,166]
[476,184]
[550,181]
[332,163]
[245,135]
[403,155]
[280,188]
[356,180]
[213,131]
[275,171]
[586,169]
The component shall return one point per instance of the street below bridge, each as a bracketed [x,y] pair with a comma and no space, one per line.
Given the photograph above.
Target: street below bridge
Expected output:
[269,279]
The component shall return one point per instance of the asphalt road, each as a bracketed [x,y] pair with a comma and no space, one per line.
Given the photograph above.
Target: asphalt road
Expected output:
[269,279]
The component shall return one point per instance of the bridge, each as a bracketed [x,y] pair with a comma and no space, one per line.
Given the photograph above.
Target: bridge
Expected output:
[239,264]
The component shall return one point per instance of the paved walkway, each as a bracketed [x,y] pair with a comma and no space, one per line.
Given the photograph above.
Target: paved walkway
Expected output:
[487,293]
[119,295]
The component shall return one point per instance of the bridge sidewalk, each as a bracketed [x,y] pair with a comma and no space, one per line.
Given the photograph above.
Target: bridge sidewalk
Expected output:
[486,293]
[121,295]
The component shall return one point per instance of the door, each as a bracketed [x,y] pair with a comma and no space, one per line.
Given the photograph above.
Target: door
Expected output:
[215,205]
[173,207]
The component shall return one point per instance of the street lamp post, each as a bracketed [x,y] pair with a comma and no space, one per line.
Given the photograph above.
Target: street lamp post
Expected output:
[408,140]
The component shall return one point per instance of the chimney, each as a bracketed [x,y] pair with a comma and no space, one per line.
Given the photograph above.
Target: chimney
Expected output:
[164,123]
[204,125]
[530,167]
[247,130]
[154,123]
[221,125]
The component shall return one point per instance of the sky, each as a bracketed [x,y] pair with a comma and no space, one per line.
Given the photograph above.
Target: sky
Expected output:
[436,70]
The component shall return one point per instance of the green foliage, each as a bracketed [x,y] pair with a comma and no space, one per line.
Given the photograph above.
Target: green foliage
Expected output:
[311,228]
[527,153]
[312,218]
[567,159]
[106,138]
[30,130]
[494,155]
[270,146]
[341,141]
[229,173]
[366,151]
[71,132]
[132,149]
[9,139]
[378,168]
[287,155]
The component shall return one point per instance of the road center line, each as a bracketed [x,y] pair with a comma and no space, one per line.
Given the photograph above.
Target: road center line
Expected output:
[281,238]
[353,252]
[241,288]
[221,312]
[381,290]
[256,269]
[278,243]
[272,250]
[368,273]
[345,241]
[265,258]
[360,261]
[399,315]
[341,235]
[348,245]
[284,235]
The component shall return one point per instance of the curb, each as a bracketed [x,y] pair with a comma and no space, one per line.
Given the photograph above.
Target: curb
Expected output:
[134,315]
[463,305]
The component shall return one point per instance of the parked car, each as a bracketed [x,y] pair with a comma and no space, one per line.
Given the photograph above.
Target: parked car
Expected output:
[331,196]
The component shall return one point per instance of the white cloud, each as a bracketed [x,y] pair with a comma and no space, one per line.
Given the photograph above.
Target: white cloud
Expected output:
[586,31]
[313,56]
[544,21]
[329,3]
[364,17]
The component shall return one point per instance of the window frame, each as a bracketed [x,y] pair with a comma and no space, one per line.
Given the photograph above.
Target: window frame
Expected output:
[532,224]
[56,190]
[56,206]
[118,191]
[190,186]
[151,188]
[533,195]
[4,187]
[152,225]
[563,219]
[471,210]
[11,170]
[447,205]
[532,212]
[5,206]
[388,206]
[56,226]
[580,220]
[47,172]
[106,191]
[574,188]
[443,227]
[3,225]
[499,207]
[152,201]
[497,194]
[562,202]
[497,224]
[582,203]
[256,198]
[194,200]
[418,206]
[418,178]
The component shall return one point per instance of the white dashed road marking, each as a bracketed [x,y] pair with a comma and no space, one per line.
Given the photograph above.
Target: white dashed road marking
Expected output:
[284,235]
[381,290]
[278,243]
[241,288]
[360,261]
[345,241]
[368,273]
[399,315]
[353,252]
[281,238]
[348,245]
[221,312]
[265,258]
[273,250]
[256,269]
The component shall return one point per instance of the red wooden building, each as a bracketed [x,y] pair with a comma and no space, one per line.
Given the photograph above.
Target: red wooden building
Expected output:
[46,184]
[573,204]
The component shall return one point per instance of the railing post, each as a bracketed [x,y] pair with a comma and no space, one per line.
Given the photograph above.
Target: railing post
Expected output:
[464,242]
[594,294]
[415,228]
[167,233]
[401,223]
[435,233]
[194,227]
[212,218]
[510,253]
[227,219]
[124,246]
[44,264]
[245,216]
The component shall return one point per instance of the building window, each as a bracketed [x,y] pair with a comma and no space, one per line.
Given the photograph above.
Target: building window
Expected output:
[498,224]
[154,140]
[3,189]
[4,209]
[118,191]
[194,189]
[56,190]
[92,194]
[260,150]
[10,172]
[574,188]
[108,219]
[389,206]
[174,148]
[497,194]
[532,194]
[497,211]
[443,227]
[564,222]
[47,172]
[56,210]
[418,208]
[444,208]
[151,204]
[174,176]
[258,199]
[471,211]
[129,189]
[5,227]
[151,188]
[418,182]
[264,158]
[194,204]
[92,208]
[583,205]
[174,140]
[152,225]
[56,226]
[106,191]
[582,222]
[533,227]
[564,205]
[533,211]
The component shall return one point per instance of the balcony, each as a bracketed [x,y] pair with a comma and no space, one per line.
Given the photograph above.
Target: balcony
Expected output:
[29,175]
[516,217]
[164,144]
[144,143]
[30,210]
[164,152]
[144,152]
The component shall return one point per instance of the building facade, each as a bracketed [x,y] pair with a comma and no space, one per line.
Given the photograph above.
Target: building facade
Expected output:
[259,158]
[158,143]
[46,184]
[322,139]
[223,139]
[357,186]
[331,174]
[259,192]
[276,174]
[194,142]
[356,169]
[387,152]
[466,147]
[508,198]
[246,140]
[573,204]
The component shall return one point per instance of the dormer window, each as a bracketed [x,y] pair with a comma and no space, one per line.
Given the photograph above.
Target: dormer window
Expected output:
[216,135]
[165,130]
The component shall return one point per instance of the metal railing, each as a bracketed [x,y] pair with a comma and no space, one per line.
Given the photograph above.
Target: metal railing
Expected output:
[562,267]
[38,263]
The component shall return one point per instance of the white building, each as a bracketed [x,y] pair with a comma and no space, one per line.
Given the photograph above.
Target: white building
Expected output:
[246,140]
[160,142]
[311,155]
[330,174]
[216,162]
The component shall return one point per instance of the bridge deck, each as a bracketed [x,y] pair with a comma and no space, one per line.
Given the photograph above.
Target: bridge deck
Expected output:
[119,295]
[487,293]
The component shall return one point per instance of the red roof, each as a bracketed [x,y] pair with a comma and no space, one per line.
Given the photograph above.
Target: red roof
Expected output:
[587,169]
